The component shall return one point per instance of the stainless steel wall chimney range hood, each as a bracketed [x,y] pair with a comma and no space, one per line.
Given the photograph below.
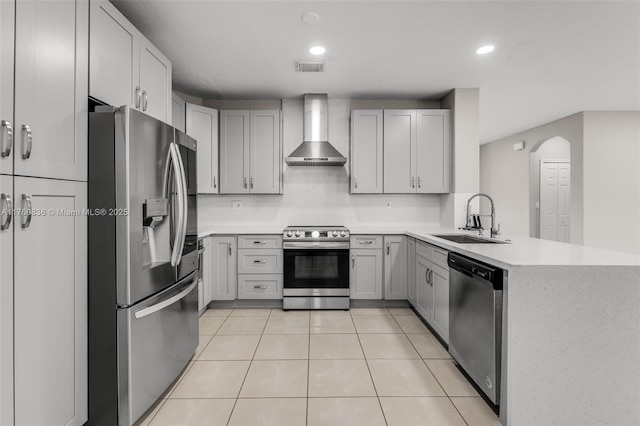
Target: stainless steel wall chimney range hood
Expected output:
[315,149]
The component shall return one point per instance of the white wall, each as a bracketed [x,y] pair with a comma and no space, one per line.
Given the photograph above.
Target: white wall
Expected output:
[317,195]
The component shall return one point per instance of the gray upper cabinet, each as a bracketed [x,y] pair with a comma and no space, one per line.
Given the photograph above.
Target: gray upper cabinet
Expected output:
[250,152]
[50,117]
[416,151]
[202,125]
[366,151]
[178,114]
[125,68]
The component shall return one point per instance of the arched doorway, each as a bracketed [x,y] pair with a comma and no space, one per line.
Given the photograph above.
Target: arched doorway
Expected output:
[550,187]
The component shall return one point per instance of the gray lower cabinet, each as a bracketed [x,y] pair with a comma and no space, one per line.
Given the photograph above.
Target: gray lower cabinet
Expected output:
[365,273]
[260,267]
[395,267]
[411,270]
[432,287]
[223,277]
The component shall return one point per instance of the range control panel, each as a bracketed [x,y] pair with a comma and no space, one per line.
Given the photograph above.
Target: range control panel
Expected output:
[315,233]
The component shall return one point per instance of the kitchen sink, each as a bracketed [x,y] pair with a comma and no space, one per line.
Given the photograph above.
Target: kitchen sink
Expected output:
[468,239]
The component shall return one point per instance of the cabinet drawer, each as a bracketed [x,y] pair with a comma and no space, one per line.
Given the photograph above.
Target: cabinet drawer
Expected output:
[425,249]
[260,241]
[256,261]
[253,286]
[440,257]
[366,241]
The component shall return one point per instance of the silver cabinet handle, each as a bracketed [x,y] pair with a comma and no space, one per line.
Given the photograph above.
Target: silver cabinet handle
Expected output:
[229,249]
[214,182]
[251,183]
[355,182]
[260,287]
[367,242]
[260,261]
[6,198]
[6,150]
[431,277]
[26,130]
[353,261]
[419,182]
[138,99]
[413,181]
[26,199]
[259,242]
[426,275]
[387,249]
[145,100]
[245,183]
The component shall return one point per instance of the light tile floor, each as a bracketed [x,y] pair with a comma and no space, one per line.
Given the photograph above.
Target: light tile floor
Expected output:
[365,367]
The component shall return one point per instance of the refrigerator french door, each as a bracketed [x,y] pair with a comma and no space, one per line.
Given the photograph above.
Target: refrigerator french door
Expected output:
[143,261]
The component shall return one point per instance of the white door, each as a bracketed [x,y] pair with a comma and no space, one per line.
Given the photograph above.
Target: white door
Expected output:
[206,271]
[411,267]
[395,268]
[224,277]
[399,151]
[554,200]
[266,159]
[234,152]
[366,151]
[439,279]
[365,276]
[432,151]
[7,14]
[202,125]
[113,56]
[178,107]
[51,88]
[155,82]
[7,223]
[50,303]
[424,291]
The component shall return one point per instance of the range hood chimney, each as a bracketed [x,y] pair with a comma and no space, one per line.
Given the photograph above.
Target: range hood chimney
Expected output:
[315,149]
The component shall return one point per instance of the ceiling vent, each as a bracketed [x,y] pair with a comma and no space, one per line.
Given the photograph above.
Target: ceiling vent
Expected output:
[309,66]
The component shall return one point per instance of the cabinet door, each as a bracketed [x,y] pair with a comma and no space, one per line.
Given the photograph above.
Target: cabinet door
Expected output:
[223,268]
[399,151]
[7,223]
[266,157]
[51,88]
[206,272]
[50,303]
[411,270]
[439,278]
[7,15]
[424,292]
[433,151]
[395,268]
[155,82]
[113,56]
[178,113]
[202,125]
[365,277]
[366,151]
[234,152]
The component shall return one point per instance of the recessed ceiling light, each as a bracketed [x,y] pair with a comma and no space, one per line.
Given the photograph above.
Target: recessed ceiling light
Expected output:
[310,18]
[485,49]
[317,50]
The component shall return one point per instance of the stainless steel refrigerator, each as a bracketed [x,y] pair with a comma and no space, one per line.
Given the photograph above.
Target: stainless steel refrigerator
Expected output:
[143,261]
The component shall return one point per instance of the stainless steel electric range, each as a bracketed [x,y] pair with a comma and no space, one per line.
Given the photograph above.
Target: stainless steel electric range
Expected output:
[316,267]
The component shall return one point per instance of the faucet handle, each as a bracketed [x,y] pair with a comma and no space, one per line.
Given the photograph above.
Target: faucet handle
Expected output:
[496,231]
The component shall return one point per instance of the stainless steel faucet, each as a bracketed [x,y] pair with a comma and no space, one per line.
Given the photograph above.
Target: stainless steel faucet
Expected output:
[494,231]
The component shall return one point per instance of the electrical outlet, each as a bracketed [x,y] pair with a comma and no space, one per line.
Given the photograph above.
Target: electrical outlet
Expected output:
[387,204]
[236,205]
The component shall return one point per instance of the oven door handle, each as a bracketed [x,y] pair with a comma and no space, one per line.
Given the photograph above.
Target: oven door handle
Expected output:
[312,245]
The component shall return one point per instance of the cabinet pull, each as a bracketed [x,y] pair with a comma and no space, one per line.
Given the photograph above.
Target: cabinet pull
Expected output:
[137,97]
[6,150]
[413,181]
[355,182]
[26,199]
[387,249]
[7,200]
[260,261]
[229,249]
[260,287]
[353,261]
[431,277]
[244,184]
[419,182]
[259,242]
[214,182]
[367,242]
[251,182]
[145,100]
[27,130]
[426,275]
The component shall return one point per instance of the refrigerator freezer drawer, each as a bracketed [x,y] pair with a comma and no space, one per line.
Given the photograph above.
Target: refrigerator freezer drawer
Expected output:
[156,340]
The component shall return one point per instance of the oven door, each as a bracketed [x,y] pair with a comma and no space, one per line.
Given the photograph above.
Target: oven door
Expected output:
[316,272]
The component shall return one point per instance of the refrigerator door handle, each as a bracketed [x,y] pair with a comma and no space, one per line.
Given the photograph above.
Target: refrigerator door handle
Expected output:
[170,301]
[183,178]
[177,242]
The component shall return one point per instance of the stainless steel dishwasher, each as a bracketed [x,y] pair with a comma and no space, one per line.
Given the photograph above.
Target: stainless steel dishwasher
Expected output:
[475,321]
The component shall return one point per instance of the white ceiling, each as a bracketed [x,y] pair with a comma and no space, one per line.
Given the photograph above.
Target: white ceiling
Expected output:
[552,58]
